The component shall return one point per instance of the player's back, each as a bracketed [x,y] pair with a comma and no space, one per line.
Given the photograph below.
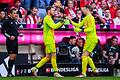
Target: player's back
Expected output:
[91,27]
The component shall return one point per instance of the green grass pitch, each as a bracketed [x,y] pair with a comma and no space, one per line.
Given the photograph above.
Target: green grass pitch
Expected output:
[65,78]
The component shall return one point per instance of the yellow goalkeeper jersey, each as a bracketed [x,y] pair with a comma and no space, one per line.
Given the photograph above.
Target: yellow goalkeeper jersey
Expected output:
[90,28]
[48,30]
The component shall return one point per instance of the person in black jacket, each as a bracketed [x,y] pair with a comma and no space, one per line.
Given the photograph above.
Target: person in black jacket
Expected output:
[111,51]
[2,17]
[10,31]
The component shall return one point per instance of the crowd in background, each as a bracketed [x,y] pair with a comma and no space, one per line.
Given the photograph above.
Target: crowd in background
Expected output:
[70,50]
[105,12]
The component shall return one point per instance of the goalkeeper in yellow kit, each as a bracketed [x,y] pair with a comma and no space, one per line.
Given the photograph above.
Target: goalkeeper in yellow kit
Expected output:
[49,41]
[91,38]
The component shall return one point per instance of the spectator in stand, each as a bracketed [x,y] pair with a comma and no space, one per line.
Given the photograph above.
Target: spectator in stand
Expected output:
[94,6]
[98,18]
[57,5]
[113,9]
[111,51]
[85,2]
[70,10]
[28,4]
[62,15]
[78,17]
[77,50]
[117,19]
[72,41]
[21,11]
[101,10]
[33,18]
[108,19]
[2,17]
[56,17]
[65,3]
[70,44]
[4,5]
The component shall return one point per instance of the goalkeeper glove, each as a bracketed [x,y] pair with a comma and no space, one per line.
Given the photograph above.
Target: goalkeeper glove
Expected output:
[61,20]
[77,30]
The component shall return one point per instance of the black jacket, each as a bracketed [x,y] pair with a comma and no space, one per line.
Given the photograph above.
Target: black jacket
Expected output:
[10,28]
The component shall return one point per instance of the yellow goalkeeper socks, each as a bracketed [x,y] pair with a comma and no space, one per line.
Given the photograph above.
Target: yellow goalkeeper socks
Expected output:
[90,61]
[54,64]
[42,62]
[84,64]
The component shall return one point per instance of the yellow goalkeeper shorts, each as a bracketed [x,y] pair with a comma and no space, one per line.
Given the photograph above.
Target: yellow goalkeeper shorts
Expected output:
[89,46]
[50,48]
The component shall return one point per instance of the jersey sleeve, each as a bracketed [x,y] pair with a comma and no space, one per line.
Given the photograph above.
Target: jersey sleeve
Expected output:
[51,23]
[4,29]
[80,24]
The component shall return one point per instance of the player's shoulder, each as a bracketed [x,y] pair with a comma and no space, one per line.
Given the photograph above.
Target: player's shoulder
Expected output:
[6,21]
[47,17]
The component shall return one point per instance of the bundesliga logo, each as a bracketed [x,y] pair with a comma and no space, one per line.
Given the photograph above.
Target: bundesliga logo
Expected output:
[67,69]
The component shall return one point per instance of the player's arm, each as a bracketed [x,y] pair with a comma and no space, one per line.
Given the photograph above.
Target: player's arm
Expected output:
[4,28]
[105,51]
[116,56]
[88,29]
[80,24]
[104,54]
[51,23]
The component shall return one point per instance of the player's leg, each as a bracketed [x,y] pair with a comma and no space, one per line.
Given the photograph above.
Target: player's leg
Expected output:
[45,59]
[84,62]
[90,60]
[53,60]
[42,61]
[12,48]
[91,63]
[40,64]
[54,65]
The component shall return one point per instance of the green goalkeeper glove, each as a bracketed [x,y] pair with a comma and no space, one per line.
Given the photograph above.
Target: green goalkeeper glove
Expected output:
[77,30]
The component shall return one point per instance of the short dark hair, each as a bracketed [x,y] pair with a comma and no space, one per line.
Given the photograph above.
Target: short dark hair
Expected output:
[114,37]
[48,8]
[34,7]
[78,10]
[81,39]
[16,1]
[72,37]
[11,10]
[89,7]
